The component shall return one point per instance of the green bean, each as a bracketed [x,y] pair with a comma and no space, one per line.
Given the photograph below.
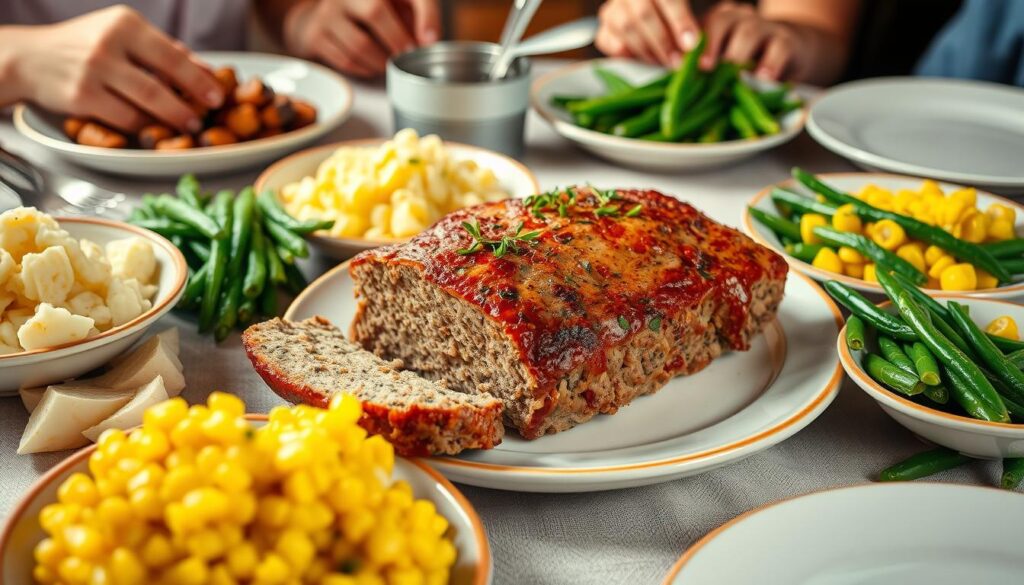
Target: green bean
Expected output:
[855,333]
[804,252]
[1006,248]
[167,227]
[780,225]
[1016,358]
[268,301]
[871,250]
[720,80]
[1005,344]
[227,312]
[605,122]
[871,314]
[681,90]
[188,191]
[987,351]
[968,398]
[643,123]
[246,310]
[659,81]
[241,232]
[219,252]
[937,394]
[923,465]
[715,131]
[759,115]
[893,353]
[194,288]
[287,240]
[925,366]
[201,250]
[148,205]
[972,253]
[801,204]
[138,213]
[584,120]
[613,82]
[1014,266]
[296,282]
[274,212]
[562,100]
[892,376]
[256,267]
[178,210]
[774,98]
[789,106]
[1013,473]
[696,119]
[894,283]
[636,98]
[1016,409]
[275,267]
[955,362]
[741,123]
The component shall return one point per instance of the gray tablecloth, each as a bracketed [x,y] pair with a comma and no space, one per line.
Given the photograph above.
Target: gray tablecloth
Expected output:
[625,536]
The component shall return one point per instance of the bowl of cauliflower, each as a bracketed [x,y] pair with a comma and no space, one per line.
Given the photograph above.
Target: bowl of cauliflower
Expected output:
[76,292]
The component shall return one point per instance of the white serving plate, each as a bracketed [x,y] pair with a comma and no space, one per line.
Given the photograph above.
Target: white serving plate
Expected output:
[579,78]
[977,438]
[957,130]
[877,534]
[851,183]
[325,89]
[742,403]
[47,366]
[518,180]
[473,565]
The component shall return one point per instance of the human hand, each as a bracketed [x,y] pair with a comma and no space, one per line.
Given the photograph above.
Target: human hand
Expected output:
[358,36]
[113,66]
[657,31]
[736,32]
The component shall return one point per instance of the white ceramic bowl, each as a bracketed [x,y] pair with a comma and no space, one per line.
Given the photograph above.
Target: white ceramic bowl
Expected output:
[329,92]
[473,565]
[518,180]
[579,79]
[852,182]
[977,438]
[46,366]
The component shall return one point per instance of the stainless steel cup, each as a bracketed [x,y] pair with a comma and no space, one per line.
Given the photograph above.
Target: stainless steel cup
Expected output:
[444,89]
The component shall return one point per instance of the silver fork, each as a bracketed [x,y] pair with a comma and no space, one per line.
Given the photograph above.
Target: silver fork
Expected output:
[76,197]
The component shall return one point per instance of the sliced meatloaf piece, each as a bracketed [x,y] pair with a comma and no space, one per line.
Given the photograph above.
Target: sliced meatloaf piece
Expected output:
[311,360]
[567,304]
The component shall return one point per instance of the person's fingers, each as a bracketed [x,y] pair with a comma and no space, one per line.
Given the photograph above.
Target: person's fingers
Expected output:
[610,44]
[150,95]
[337,57]
[359,45]
[682,24]
[380,18]
[653,31]
[158,52]
[427,19]
[717,27]
[746,41]
[113,111]
[778,56]
[619,21]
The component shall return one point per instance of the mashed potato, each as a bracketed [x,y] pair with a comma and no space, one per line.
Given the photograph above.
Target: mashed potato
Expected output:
[55,289]
[391,191]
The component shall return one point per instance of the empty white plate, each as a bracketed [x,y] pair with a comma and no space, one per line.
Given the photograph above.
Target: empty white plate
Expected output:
[908,533]
[968,132]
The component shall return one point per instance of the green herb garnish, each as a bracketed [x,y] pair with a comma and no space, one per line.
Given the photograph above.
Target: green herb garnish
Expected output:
[499,247]
[654,324]
[623,323]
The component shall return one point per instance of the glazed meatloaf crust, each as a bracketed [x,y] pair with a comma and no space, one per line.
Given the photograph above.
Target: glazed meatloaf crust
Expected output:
[567,304]
[311,360]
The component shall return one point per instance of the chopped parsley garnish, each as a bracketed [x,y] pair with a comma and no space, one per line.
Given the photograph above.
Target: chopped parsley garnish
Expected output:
[560,201]
[654,324]
[623,323]
[635,211]
[499,247]
[585,264]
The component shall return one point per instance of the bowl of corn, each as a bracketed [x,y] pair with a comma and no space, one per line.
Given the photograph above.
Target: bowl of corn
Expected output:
[206,494]
[831,239]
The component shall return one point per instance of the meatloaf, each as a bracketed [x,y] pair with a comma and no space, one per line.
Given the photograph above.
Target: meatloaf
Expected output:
[311,360]
[566,304]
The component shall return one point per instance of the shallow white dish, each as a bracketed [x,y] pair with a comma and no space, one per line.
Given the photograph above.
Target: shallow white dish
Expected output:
[325,89]
[909,533]
[977,438]
[46,366]
[518,180]
[473,565]
[956,130]
[579,79]
[851,183]
[742,403]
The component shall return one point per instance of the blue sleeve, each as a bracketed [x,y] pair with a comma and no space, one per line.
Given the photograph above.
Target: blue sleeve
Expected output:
[985,40]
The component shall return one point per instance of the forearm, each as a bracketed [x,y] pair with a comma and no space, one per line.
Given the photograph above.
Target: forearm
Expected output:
[13,85]
[826,29]
[278,18]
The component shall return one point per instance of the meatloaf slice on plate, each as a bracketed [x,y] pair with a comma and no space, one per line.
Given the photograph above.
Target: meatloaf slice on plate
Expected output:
[311,360]
[566,304]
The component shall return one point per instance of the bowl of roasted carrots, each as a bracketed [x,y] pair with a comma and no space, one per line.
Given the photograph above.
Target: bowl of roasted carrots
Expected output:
[273,105]
[849,226]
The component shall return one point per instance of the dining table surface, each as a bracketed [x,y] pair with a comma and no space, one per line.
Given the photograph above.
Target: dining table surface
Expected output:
[630,535]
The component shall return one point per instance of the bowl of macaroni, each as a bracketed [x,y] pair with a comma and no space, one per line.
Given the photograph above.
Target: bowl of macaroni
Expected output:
[380,191]
[76,292]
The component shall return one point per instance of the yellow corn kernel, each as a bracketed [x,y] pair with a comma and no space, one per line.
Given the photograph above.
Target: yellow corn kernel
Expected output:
[959,277]
[166,415]
[951,211]
[49,552]
[827,259]
[114,511]
[191,571]
[242,560]
[83,542]
[296,549]
[877,196]
[273,511]
[850,256]
[220,575]
[854,270]
[932,255]
[44,575]
[904,199]
[227,403]
[74,570]
[808,222]
[146,503]
[405,576]
[223,427]
[78,489]
[912,253]
[869,273]
[272,570]
[337,579]
[999,211]
[986,280]
[888,234]
[972,226]
[930,188]
[968,195]
[157,551]
[846,219]
[1000,229]
[149,444]
[1003,326]
[206,503]
[935,271]
[126,568]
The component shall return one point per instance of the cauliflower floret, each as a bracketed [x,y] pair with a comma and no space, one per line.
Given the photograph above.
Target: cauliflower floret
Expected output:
[7,266]
[6,300]
[132,258]
[90,304]
[52,326]
[9,334]
[18,229]
[6,349]
[94,269]
[125,301]
[47,276]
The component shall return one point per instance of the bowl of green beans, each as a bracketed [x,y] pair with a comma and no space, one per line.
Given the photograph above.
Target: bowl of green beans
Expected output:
[927,361]
[643,116]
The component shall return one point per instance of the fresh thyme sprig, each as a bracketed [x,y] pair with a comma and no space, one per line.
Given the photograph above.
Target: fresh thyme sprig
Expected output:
[499,247]
[561,200]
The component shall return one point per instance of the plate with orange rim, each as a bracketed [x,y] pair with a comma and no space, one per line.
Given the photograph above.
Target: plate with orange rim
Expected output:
[852,183]
[918,533]
[742,403]
[473,565]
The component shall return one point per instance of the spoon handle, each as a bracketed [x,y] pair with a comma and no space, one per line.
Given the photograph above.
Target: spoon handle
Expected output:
[522,17]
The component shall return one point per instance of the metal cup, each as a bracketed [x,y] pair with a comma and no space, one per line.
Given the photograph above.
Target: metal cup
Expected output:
[445,89]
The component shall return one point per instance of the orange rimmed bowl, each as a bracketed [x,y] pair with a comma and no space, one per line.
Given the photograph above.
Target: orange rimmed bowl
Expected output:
[473,565]
[970,436]
[55,364]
